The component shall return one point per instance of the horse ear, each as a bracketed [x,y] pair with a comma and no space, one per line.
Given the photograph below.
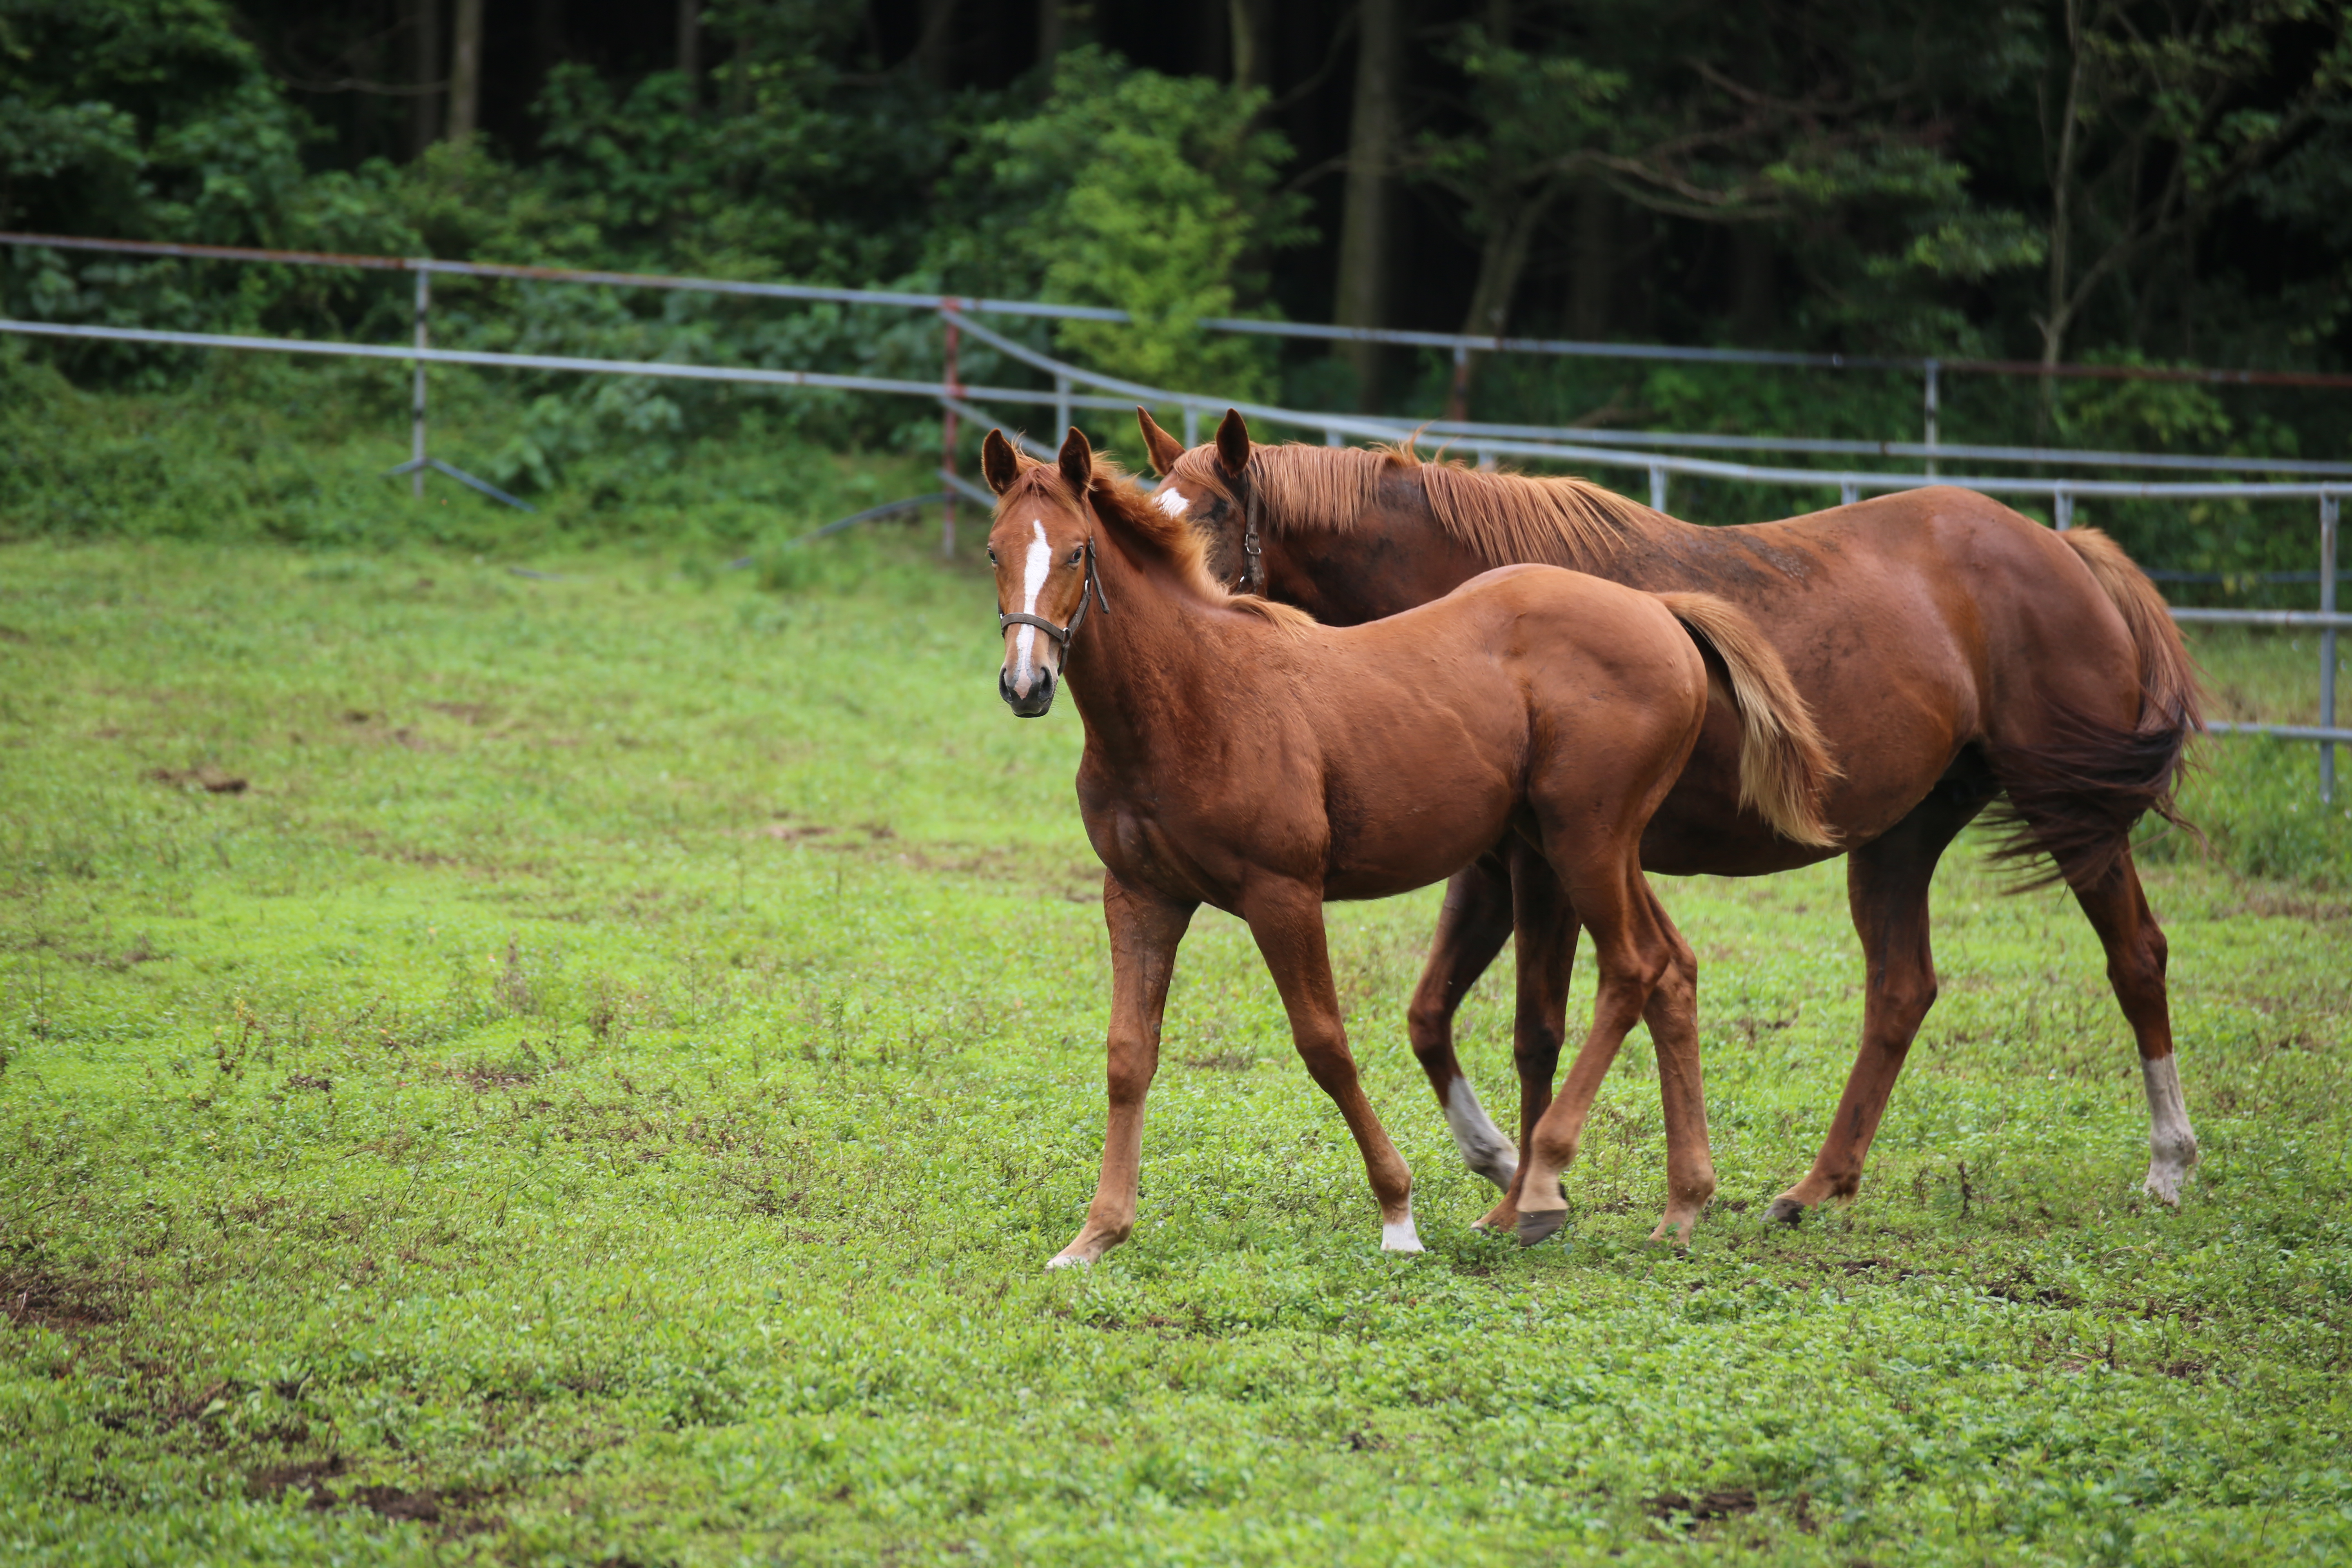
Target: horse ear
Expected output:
[1077,460]
[999,462]
[1233,445]
[1163,449]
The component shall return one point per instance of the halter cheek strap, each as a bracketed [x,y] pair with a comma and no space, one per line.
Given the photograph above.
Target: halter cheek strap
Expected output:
[1090,591]
[1254,558]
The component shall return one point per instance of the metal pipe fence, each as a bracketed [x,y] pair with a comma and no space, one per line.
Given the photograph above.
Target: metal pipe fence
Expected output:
[1459,345]
[1486,442]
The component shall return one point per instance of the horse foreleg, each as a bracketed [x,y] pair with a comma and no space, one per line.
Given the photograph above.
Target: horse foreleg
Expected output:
[1633,956]
[1145,928]
[1470,932]
[1886,893]
[1286,919]
[1546,929]
[2136,951]
[1673,1017]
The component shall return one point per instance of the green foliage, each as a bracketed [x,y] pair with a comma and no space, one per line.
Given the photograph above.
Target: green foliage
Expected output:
[604,1088]
[1154,194]
[256,449]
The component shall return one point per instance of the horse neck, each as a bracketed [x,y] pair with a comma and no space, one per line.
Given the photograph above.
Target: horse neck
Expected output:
[1148,647]
[1424,561]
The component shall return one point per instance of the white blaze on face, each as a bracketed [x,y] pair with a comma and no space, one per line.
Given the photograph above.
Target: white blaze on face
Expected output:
[1033,568]
[1172,501]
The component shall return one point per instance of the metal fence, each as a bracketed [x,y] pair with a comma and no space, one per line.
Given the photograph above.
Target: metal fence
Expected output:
[1644,452]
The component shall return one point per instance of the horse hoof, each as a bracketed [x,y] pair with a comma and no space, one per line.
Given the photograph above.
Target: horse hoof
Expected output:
[1540,1226]
[1069,1261]
[1785,1211]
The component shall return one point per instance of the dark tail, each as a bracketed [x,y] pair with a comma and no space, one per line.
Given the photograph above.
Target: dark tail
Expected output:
[2077,798]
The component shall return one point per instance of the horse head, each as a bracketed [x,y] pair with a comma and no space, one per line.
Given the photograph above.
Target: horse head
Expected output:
[1211,492]
[1042,546]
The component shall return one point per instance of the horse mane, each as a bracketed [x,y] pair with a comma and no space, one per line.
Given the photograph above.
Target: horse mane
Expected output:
[1502,518]
[1178,546]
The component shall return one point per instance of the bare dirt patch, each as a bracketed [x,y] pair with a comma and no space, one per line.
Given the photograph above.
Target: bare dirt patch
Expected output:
[424,1505]
[1727,1503]
[40,1297]
[207,777]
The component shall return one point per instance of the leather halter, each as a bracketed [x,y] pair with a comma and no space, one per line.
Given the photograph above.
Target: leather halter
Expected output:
[1253,558]
[1092,590]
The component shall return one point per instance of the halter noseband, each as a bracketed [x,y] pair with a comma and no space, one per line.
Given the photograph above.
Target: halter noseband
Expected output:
[1091,590]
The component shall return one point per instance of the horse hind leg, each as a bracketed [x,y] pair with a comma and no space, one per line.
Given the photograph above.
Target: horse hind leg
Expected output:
[1887,881]
[2117,909]
[1471,929]
[1633,956]
[1545,927]
[1673,1016]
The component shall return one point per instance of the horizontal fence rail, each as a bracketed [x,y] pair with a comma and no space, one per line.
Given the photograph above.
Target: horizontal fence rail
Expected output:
[1401,337]
[1640,451]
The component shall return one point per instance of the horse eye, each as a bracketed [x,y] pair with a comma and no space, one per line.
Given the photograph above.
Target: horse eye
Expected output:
[1076,553]
[991,557]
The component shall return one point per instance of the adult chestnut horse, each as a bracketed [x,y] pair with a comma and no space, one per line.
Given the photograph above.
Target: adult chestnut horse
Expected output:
[1952,651]
[1240,755]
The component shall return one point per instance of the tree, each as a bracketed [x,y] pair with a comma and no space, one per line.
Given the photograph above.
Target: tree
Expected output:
[1375,133]
[2157,114]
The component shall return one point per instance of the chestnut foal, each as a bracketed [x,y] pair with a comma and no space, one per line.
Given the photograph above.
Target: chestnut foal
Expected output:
[1238,755]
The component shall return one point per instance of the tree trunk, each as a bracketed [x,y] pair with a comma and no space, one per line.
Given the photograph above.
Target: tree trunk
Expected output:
[2061,191]
[1364,223]
[1251,23]
[1591,289]
[1753,302]
[1049,31]
[739,76]
[425,65]
[935,43]
[689,48]
[547,35]
[1501,262]
[465,72]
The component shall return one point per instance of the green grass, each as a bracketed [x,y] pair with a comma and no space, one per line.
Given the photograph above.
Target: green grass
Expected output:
[604,1091]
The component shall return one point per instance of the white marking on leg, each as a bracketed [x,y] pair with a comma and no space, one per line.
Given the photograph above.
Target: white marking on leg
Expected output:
[1172,502]
[1483,1148]
[1033,568]
[1400,1236]
[2171,1142]
[1064,1260]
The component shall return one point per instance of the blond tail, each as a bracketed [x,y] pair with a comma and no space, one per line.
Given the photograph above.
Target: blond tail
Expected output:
[1783,766]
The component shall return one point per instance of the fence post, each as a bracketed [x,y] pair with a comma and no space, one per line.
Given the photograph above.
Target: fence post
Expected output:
[1333,439]
[417,398]
[2330,506]
[1848,492]
[1933,369]
[1191,425]
[2061,508]
[948,427]
[1457,407]
[1061,405]
[1657,489]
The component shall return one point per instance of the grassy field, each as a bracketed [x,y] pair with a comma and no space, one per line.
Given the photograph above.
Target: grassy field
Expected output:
[499,1069]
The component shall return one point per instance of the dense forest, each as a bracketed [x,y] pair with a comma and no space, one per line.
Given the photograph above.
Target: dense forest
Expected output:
[2165,181]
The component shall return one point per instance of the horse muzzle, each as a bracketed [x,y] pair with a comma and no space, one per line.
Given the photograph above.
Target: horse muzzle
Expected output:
[1031,703]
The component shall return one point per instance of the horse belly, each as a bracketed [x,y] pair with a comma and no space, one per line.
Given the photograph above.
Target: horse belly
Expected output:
[1408,830]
